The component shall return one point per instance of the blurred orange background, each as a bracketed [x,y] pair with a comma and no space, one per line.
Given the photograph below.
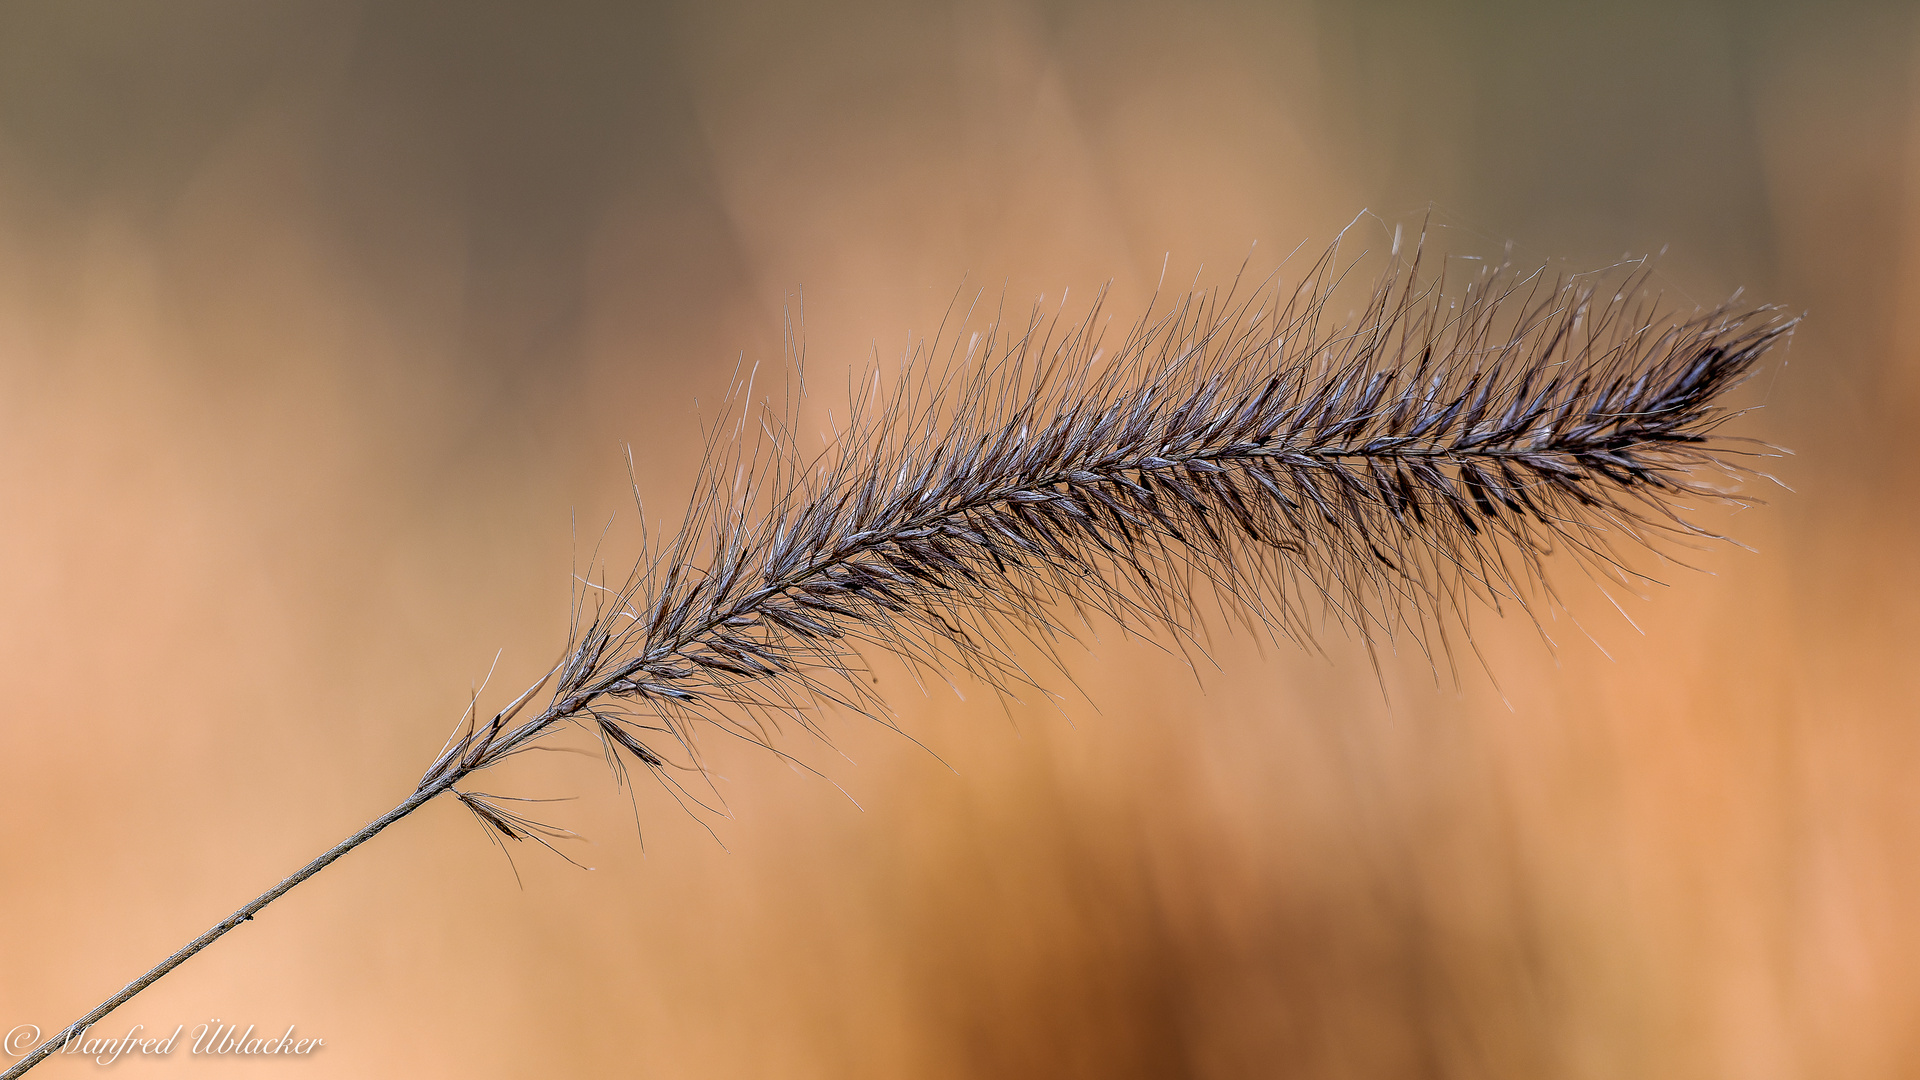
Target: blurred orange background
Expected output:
[322,324]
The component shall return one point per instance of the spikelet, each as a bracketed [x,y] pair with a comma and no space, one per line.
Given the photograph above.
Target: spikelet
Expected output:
[1388,471]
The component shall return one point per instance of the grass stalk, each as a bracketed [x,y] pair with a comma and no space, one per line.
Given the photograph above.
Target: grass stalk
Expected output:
[1005,491]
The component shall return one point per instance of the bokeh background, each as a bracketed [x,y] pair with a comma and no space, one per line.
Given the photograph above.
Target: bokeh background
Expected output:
[323,324]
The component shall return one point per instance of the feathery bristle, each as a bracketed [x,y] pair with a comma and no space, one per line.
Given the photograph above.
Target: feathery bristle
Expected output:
[1385,472]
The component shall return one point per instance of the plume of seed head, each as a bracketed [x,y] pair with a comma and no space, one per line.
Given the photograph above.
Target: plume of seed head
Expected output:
[1382,472]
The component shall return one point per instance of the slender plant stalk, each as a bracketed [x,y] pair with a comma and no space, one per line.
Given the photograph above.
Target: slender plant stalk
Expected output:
[78,1027]
[1382,474]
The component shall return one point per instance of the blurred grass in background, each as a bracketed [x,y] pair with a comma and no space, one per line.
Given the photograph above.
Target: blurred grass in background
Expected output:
[320,323]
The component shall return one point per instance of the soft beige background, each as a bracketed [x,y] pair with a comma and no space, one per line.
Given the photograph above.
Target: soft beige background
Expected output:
[320,323]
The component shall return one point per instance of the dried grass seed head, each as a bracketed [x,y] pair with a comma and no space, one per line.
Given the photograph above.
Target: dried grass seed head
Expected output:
[1386,471]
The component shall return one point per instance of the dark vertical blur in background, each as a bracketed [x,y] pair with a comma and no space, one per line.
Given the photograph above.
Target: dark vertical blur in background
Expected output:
[320,323]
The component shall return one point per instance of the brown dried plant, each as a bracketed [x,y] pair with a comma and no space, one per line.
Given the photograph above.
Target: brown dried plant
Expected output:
[1385,472]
